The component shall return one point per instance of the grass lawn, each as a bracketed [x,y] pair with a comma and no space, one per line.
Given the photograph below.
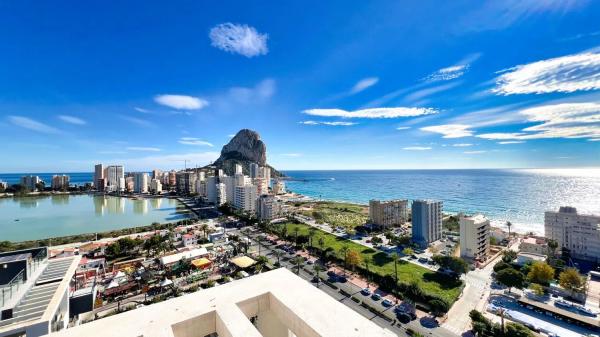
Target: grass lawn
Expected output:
[431,282]
[338,213]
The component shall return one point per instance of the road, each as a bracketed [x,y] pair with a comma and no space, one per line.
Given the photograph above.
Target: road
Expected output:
[267,249]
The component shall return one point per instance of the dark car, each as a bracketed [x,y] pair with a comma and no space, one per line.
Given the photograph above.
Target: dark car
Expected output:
[376,297]
[403,317]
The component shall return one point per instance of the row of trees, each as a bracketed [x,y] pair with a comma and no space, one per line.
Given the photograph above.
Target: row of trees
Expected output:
[483,327]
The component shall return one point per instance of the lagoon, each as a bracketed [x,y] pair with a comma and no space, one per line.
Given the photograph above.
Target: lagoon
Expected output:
[31,218]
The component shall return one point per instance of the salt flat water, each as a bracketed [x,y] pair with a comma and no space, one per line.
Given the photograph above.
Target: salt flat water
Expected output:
[520,196]
[29,218]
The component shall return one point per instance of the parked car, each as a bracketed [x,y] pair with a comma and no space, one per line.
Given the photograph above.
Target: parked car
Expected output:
[386,303]
[376,297]
[366,291]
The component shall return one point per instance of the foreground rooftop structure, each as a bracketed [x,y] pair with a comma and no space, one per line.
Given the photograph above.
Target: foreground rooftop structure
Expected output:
[275,303]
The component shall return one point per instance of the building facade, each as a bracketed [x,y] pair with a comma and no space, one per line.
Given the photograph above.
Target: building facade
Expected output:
[268,207]
[115,178]
[245,198]
[580,233]
[99,178]
[186,182]
[60,182]
[388,213]
[155,186]
[140,182]
[475,237]
[30,182]
[426,221]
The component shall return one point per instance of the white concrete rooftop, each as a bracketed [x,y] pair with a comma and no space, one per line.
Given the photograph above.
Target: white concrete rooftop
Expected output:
[280,303]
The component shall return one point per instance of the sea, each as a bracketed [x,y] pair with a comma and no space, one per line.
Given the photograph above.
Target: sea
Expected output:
[520,196]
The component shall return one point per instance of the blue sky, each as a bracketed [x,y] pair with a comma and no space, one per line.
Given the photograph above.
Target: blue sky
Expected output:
[328,85]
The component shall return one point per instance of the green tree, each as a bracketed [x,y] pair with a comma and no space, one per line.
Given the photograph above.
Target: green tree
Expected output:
[408,251]
[296,230]
[395,258]
[511,278]
[501,265]
[438,307]
[298,261]
[509,225]
[457,265]
[537,289]
[317,268]
[518,330]
[571,280]
[344,253]
[541,273]
[353,258]
[509,255]
[552,246]
[311,235]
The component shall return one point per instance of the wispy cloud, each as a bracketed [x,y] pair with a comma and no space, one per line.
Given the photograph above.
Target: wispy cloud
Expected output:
[137,121]
[142,110]
[417,148]
[511,142]
[423,93]
[143,148]
[372,113]
[263,90]
[566,120]
[364,84]
[239,39]
[578,72]
[112,152]
[194,141]
[181,102]
[448,73]
[72,120]
[462,145]
[30,124]
[403,128]
[450,130]
[475,152]
[328,123]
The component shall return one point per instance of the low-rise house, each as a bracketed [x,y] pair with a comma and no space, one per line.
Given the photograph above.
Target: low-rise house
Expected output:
[524,258]
[534,245]
[189,240]
[170,260]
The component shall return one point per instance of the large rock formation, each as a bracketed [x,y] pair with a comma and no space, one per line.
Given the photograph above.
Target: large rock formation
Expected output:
[244,148]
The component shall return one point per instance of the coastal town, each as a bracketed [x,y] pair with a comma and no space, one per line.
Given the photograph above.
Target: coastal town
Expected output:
[406,266]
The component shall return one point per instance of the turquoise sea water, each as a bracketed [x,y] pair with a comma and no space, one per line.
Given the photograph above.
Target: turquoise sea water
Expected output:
[60,215]
[521,196]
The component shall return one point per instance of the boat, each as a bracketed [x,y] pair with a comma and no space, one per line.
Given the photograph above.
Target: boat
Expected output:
[563,303]
[586,311]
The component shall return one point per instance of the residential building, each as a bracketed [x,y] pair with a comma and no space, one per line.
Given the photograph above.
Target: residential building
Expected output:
[115,178]
[534,245]
[155,186]
[172,178]
[211,189]
[156,174]
[260,305]
[474,237]
[60,182]
[265,172]
[186,182]
[279,187]
[245,198]
[129,183]
[254,170]
[3,185]
[268,207]
[220,194]
[31,182]
[388,213]
[140,184]
[579,233]
[262,185]
[239,169]
[42,302]
[188,240]
[201,188]
[99,178]
[426,221]
[525,258]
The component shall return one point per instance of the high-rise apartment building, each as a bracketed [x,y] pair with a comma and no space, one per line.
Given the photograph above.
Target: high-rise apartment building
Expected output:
[254,170]
[99,178]
[474,237]
[115,178]
[186,182]
[268,207]
[140,184]
[211,189]
[279,187]
[30,182]
[239,169]
[261,185]
[580,233]
[245,198]
[155,186]
[426,221]
[60,182]
[220,194]
[388,213]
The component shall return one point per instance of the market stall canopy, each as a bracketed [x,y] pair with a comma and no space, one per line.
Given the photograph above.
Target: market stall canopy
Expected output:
[166,282]
[242,261]
[201,262]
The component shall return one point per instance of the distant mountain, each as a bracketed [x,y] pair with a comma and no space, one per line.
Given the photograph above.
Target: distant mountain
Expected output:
[244,148]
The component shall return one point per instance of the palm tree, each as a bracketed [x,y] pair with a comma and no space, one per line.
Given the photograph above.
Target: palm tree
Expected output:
[317,268]
[204,229]
[278,256]
[296,230]
[321,244]
[367,262]
[311,234]
[509,225]
[259,240]
[298,260]
[284,231]
[552,245]
[344,251]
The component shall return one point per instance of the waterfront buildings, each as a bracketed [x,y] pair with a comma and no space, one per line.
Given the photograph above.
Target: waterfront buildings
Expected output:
[279,187]
[579,233]
[254,170]
[186,182]
[258,306]
[426,221]
[60,182]
[262,185]
[388,213]
[220,194]
[245,198]
[31,182]
[172,178]
[99,178]
[268,207]
[39,301]
[140,182]
[3,185]
[534,245]
[115,178]
[155,186]
[474,237]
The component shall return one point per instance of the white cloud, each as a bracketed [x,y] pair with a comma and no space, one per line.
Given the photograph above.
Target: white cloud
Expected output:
[72,119]
[138,121]
[403,128]
[263,90]
[294,155]
[423,93]
[448,73]
[328,123]
[372,113]
[194,141]
[462,145]
[30,124]
[231,135]
[594,140]
[142,148]
[507,142]
[240,39]
[417,148]
[475,152]
[181,102]
[112,152]
[578,72]
[450,130]
[364,84]
[566,120]
[142,110]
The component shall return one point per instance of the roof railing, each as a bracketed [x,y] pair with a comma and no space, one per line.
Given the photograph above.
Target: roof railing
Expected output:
[11,288]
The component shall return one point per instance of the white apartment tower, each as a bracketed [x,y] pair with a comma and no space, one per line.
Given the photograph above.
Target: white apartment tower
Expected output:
[268,207]
[99,178]
[254,170]
[279,187]
[140,182]
[245,198]
[115,178]
[221,194]
[156,186]
[211,189]
[580,233]
[238,169]
[474,237]
[60,182]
